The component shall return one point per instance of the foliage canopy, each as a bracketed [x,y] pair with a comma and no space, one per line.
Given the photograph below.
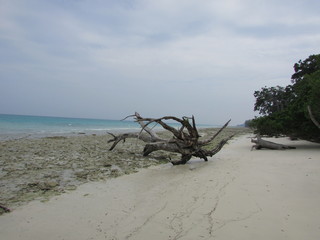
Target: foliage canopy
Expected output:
[284,110]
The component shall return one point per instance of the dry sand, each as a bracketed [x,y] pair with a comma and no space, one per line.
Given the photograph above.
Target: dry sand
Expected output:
[238,194]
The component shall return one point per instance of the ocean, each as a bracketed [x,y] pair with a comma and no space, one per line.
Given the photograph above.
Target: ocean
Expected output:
[19,126]
[23,126]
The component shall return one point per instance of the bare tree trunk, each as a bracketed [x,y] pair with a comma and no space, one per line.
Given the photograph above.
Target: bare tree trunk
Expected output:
[185,141]
[313,118]
[260,143]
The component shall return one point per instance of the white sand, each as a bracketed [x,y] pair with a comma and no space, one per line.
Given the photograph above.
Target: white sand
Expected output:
[238,194]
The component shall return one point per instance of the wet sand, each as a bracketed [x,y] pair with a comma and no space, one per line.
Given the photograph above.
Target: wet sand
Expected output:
[237,194]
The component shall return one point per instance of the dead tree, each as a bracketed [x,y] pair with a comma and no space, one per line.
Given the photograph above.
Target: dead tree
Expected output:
[260,143]
[313,119]
[185,140]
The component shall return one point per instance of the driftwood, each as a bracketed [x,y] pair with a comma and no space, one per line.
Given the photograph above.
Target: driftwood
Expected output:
[260,143]
[185,141]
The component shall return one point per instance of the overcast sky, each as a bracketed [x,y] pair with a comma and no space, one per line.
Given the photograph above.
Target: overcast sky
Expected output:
[110,58]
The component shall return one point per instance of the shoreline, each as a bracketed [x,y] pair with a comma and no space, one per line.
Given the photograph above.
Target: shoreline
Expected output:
[37,169]
[38,135]
[237,194]
[13,127]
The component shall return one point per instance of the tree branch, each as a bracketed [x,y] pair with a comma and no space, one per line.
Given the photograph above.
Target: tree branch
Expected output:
[312,117]
[207,141]
[185,141]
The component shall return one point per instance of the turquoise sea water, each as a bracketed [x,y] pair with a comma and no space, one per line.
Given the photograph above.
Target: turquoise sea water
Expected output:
[21,126]
[15,126]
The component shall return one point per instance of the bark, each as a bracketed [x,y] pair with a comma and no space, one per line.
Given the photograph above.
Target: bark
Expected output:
[313,118]
[185,141]
[260,143]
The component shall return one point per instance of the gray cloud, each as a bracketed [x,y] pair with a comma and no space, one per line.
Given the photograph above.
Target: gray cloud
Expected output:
[107,59]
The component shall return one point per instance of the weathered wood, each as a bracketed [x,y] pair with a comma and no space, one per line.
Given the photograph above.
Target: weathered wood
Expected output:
[313,119]
[185,140]
[123,137]
[260,143]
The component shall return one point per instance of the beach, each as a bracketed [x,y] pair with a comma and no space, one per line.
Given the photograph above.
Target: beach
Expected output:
[237,194]
[33,168]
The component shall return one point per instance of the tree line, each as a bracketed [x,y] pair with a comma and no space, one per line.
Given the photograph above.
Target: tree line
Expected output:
[293,110]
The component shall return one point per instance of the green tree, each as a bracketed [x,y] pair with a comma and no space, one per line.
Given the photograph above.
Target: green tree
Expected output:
[273,99]
[284,110]
[306,67]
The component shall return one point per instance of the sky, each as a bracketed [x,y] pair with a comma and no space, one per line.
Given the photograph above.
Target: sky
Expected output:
[109,58]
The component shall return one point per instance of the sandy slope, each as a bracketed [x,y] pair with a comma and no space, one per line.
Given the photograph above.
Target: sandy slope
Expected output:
[238,194]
